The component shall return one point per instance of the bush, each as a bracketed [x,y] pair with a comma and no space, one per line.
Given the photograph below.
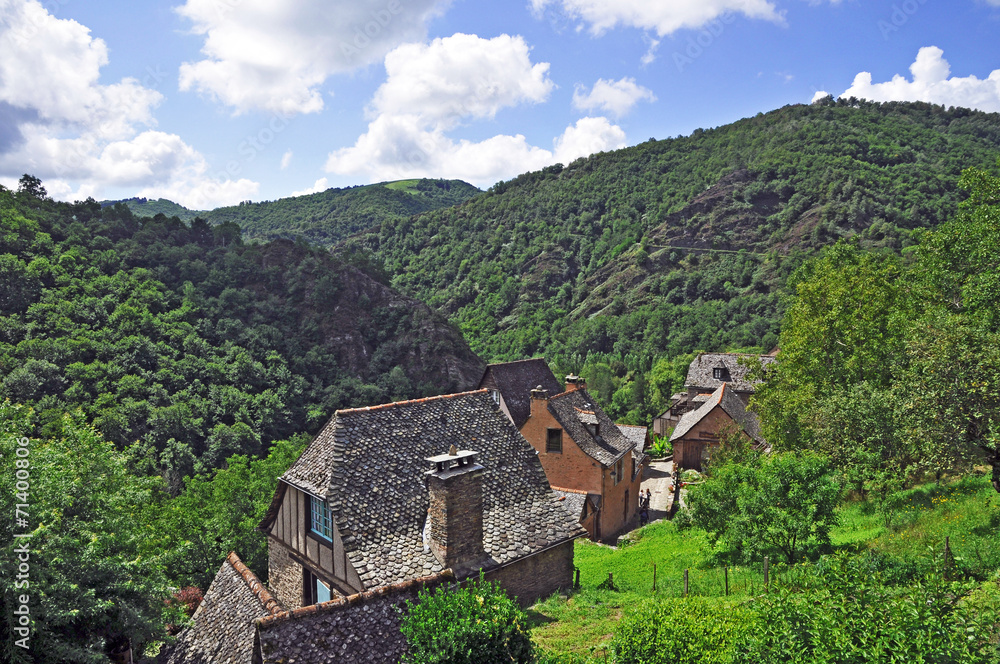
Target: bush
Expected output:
[695,629]
[477,624]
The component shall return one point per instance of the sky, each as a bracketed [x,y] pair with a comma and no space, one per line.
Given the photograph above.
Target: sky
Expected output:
[213,102]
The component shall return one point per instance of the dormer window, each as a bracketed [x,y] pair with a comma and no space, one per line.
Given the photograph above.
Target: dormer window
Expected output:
[319,518]
[594,429]
[720,373]
[496,396]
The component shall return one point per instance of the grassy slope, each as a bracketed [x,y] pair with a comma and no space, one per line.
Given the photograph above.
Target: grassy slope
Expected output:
[967,511]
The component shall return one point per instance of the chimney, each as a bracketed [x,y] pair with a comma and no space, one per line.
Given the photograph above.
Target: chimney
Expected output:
[455,513]
[575,383]
[539,400]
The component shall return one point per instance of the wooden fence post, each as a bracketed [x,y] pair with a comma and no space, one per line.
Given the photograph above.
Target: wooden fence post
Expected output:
[725,571]
[685,583]
[654,577]
[767,572]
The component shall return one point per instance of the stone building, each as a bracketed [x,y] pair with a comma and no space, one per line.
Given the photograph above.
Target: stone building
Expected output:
[706,373]
[510,385]
[700,430]
[582,450]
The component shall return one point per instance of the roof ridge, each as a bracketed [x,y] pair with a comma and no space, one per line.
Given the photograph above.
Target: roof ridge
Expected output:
[564,490]
[530,359]
[256,587]
[357,598]
[366,409]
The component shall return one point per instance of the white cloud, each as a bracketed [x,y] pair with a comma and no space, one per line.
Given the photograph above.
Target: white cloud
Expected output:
[819,94]
[615,97]
[661,16]
[59,123]
[265,54]
[931,83]
[460,76]
[286,159]
[318,186]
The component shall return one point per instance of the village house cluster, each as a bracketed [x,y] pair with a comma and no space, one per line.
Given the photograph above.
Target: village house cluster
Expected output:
[390,499]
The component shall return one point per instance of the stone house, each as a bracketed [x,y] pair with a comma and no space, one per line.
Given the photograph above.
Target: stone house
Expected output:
[582,450]
[699,431]
[706,373]
[377,499]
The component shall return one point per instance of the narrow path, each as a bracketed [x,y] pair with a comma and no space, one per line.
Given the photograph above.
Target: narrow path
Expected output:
[656,478]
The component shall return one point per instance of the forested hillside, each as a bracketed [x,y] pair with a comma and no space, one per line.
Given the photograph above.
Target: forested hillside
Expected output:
[194,344]
[681,244]
[326,217]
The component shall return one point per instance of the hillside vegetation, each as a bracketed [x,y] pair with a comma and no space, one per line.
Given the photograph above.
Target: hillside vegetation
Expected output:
[675,245]
[326,217]
[194,344]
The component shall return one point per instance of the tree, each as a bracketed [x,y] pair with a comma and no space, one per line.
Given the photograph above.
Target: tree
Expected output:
[475,624]
[93,580]
[31,186]
[781,503]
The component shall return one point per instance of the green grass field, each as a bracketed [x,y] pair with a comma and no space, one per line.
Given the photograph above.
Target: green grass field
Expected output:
[911,533]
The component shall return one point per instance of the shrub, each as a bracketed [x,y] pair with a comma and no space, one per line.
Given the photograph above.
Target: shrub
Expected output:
[476,624]
[695,629]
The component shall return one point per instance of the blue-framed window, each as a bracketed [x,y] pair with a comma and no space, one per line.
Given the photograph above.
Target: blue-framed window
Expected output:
[319,518]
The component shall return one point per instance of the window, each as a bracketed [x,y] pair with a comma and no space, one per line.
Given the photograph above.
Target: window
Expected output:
[719,373]
[594,429]
[322,591]
[617,471]
[319,518]
[496,396]
[553,440]
[315,590]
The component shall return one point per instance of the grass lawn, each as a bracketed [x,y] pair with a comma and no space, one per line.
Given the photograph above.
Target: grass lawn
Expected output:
[912,530]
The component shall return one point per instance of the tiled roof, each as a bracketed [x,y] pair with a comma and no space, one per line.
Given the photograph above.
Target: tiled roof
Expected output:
[360,629]
[726,398]
[699,374]
[222,629]
[637,434]
[515,380]
[369,464]
[571,409]
[573,501]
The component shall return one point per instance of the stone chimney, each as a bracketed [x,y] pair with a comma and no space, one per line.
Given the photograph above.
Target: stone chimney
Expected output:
[455,513]
[539,400]
[575,383]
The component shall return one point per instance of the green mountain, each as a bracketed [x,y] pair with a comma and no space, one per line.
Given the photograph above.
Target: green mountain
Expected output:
[326,217]
[194,344]
[681,244]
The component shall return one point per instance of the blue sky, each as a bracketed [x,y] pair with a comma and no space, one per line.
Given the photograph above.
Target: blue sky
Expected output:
[210,102]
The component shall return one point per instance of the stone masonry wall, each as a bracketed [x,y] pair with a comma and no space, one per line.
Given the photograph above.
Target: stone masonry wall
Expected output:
[538,576]
[569,469]
[284,575]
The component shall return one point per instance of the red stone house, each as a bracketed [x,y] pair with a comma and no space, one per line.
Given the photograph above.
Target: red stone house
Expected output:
[384,499]
[700,430]
[594,467]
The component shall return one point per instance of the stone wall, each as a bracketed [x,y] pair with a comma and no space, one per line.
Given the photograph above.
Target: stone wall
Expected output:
[536,577]
[285,576]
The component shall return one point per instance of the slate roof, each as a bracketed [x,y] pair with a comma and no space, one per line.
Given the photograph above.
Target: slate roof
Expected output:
[222,628]
[360,629]
[699,374]
[572,501]
[726,398]
[574,409]
[515,380]
[369,464]
[637,434]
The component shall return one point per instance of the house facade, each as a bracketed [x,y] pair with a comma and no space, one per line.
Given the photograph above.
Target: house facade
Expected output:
[582,450]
